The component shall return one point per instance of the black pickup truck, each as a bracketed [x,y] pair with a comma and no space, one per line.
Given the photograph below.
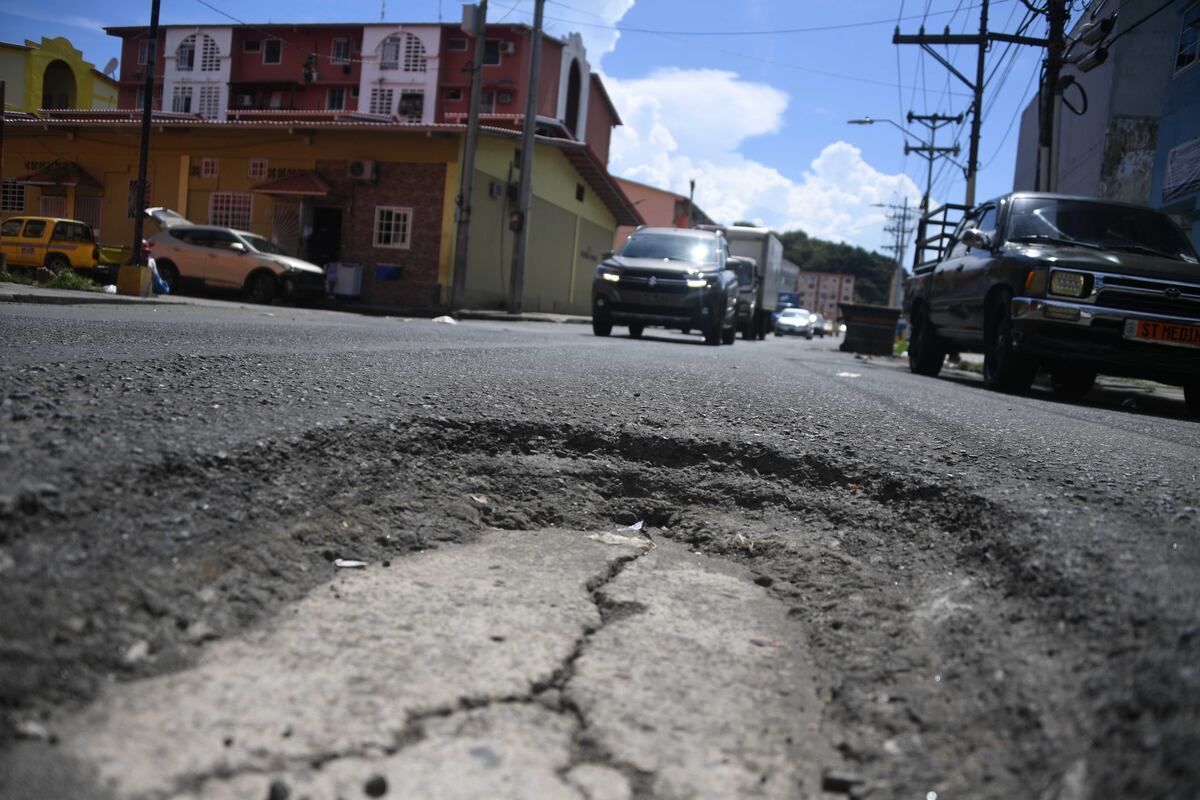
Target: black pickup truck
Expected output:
[1075,285]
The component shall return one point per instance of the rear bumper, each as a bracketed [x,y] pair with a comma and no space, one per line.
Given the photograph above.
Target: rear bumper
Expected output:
[1049,331]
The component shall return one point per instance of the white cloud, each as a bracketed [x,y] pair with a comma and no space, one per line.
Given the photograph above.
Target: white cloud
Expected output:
[73,22]
[671,134]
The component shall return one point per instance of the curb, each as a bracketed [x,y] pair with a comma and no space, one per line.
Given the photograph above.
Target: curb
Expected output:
[58,300]
[504,316]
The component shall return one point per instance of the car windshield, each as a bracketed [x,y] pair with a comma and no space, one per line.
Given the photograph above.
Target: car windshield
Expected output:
[794,312]
[745,272]
[262,245]
[1098,225]
[693,249]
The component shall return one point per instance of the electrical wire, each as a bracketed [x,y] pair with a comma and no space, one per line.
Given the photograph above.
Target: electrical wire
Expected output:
[1141,21]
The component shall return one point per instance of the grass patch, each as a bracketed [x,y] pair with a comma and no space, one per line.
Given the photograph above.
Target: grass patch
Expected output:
[967,366]
[69,279]
[16,277]
[901,347]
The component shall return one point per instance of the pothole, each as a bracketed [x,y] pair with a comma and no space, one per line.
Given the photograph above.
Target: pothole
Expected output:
[131,581]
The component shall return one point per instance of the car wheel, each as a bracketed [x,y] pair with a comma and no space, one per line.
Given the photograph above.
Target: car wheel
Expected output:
[1004,369]
[712,331]
[601,324]
[56,263]
[926,350]
[263,288]
[169,273]
[687,331]
[808,335]
[635,331]
[1191,395]
[1072,383]
[729,335]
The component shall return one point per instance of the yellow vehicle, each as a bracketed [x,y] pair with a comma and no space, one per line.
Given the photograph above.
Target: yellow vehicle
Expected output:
[49,242]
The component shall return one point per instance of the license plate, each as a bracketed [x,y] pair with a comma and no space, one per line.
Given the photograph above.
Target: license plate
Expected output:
[26,250]
[1163,332]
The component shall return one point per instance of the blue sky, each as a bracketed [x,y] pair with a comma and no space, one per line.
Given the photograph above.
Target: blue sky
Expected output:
[712,90]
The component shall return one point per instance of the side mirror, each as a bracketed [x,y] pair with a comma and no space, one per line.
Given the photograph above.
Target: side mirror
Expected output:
[237,247]
[606,255]
[976,239]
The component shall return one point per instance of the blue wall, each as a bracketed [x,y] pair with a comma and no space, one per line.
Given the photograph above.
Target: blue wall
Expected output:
[1180,123]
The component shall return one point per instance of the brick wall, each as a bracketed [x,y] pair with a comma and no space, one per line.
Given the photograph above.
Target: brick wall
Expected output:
[416,186]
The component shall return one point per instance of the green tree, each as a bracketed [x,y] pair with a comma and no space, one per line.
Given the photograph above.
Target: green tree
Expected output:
[872,272]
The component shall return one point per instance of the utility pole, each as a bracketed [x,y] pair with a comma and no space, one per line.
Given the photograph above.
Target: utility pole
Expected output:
[133,279]
[898,216]
[980,41]
[516,295]
[466,180]
[1056,17]
[930,152]
[691,202]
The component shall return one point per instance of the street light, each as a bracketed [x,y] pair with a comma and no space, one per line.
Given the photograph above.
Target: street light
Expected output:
[927,149]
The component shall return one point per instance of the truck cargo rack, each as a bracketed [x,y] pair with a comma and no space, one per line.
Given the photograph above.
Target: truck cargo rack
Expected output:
[935,235]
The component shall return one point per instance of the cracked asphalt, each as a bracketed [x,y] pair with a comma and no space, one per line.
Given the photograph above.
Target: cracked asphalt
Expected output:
[850,580]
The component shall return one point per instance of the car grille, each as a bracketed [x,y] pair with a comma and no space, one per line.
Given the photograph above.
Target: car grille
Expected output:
[1157,302]
[650,310]
[649,281]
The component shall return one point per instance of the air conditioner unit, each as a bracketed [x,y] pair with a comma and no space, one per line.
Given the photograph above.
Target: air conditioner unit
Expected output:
[504,98]
[508,48]
[245,100]
[362,170]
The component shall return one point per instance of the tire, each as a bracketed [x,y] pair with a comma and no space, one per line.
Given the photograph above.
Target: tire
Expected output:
[1004,369]
[57,262]
[635,331]
[748,331]
[1072,383]
[712,331]
[1191,396]
[263,288]
[686,331]
[601,324]
[926,350]
[808,336]
[777,333]
[729,335]
[169,273]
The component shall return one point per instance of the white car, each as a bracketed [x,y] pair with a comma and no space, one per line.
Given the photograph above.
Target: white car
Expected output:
[795,322]
[210,255]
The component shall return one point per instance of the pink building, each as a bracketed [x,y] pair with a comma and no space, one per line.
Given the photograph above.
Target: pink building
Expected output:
[658,207]
[822,291]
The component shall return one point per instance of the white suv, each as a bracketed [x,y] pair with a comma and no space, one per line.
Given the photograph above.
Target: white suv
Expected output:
[204,254]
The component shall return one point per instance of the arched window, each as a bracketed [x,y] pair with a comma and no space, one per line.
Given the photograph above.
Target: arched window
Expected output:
[58,86]
[210,55]
[574,81]
[414,54]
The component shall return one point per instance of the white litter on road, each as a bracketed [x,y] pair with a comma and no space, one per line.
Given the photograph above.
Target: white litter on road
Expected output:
[637,526]
[346,563]
[849,375]
[448,320]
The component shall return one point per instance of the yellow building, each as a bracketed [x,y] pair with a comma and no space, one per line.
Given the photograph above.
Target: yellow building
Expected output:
[52,74]
[377,195]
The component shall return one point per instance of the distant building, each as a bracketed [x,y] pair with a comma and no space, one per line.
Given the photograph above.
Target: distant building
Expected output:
[659,208]
[1137,140]
[52,74]
[822,291]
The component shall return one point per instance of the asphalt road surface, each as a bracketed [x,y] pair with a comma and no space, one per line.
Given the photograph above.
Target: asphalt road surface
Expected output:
[849,579]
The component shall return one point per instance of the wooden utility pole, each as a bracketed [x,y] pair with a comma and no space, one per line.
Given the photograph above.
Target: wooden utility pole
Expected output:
[981,41]
[520,223]
[466,178]
[1056,17]
[930,151]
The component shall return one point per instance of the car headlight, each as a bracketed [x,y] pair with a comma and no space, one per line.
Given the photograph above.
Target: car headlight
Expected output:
[697,283]
[609,274]
[1068,284]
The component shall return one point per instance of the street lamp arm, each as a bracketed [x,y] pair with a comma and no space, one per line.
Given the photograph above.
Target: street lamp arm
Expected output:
[896,125]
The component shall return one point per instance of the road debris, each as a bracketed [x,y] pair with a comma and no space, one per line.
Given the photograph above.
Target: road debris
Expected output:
[849,374]
[766,643]
[348,563]
[616,538]
[637,526]
[446,319]
[833,780]
[376,786]
[28,729]
[278,791]
[481,499]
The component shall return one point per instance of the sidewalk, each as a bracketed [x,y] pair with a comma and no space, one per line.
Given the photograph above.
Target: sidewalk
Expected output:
[24,293]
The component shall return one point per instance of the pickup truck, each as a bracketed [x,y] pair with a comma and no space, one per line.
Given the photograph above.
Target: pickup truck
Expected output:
[1077,286]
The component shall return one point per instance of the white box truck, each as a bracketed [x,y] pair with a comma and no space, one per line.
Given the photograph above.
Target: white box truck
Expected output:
[758,297]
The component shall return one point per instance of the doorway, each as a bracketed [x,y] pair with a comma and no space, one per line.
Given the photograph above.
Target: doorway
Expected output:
[325,244]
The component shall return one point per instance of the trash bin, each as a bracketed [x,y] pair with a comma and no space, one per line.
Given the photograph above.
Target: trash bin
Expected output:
[870,330]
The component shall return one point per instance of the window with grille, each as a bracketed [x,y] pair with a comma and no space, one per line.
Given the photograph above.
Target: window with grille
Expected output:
[181,100]
[12,197]
[53,206]
[209,106]
[412,105]
[208,167]
[273,51]
[229,209]
[491,53]
[335,99]
[453,94]
[341,52]
[392,226]
[414,54]
[210,55]
[258,168]
[381,101]
[1189,39]
[143,51]
[185,56]
[252,46]
[390,57]
[87,209]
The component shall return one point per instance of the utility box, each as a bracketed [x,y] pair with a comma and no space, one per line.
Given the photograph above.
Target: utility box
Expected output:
[870,330]
[348,280]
